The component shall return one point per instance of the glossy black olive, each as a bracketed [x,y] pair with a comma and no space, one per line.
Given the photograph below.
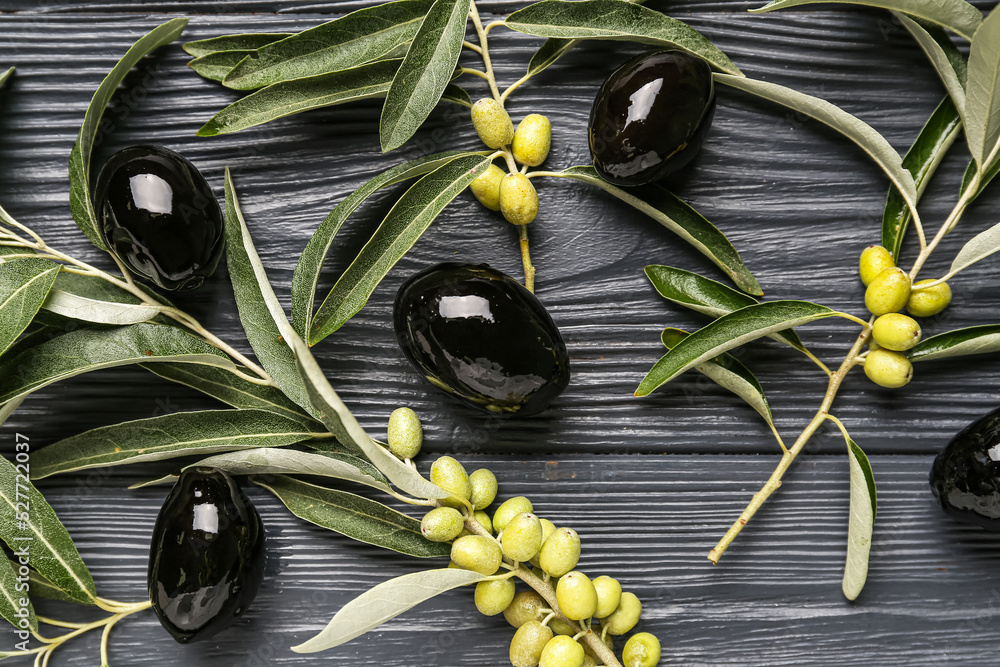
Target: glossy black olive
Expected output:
[160,217]
[206,562]
[481,336]
[965,476]
[651,116]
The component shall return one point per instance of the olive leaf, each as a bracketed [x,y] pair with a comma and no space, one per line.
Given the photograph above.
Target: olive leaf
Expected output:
[8,408]
[167,437]
[231,389]
[291,97]
[947,60]
[424,73]
[855,129]
[12,594]
[310,265]
[456,95]
[679,217]
[707,296]
[979,247]
[238,42]
[79,159]
[982,103]
[28,521]
[615,20]
[85,350]
[861,522]
[980,339]
[325,401]
[408,219]
[385,602]
[6,75]
[24,285]
[216,66]
[349,41]
[352,515]
[726,371]
[984,180]
[957,15]
[40,587]
[729,332]
[95,300]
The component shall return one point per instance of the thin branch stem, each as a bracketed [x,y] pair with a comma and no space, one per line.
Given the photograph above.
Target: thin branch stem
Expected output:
[529,268]
[484,46]
[493,24]
[476,72]
[472,47]
[514,86]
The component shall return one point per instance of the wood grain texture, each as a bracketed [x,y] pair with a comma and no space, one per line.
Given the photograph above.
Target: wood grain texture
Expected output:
[798,202]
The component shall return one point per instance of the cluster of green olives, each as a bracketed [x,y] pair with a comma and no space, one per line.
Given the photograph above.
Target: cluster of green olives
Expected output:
[512,194]
[889,290]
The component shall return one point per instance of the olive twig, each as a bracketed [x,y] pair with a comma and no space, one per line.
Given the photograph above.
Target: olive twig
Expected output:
[476,72]
[948,225]
[472,47]
[514,86]
[485,50]
[529,269]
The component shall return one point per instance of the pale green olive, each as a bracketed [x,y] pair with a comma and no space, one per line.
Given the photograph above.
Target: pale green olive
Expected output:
[532,140]
[560,553]
[522,538]
[510,509]
[450,475]
[492,123]
[526,606]
[477,553]
[576,596]
[528,642]
[405,435]
[609,594]
[641,650]
[929,301]
[874,260]
[888,368]
[625,617]
[888,292]
[486,187]
[518,199]
[895,331]
[484,520]
[492,597]
[562,651]
[442,524]
[484,488]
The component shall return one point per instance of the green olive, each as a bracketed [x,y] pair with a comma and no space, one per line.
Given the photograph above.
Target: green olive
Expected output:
[929,301]
[625,617]
[526,606]
[442,524]
[547,529]
[484,488]
[518,199]
[477,553]
[874,260]
[486,187]
[492,597]
[522,538]
[484,520]
[577,596]
[895,331]
[532,140]
[510,509]
[888,368]
[560,553]
[888,292]
[492,123]
[528,642]
[562,651]
[641,650]
[450,475]
[609,594]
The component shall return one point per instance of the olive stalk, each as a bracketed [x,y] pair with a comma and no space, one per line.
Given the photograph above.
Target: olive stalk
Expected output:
[44,652]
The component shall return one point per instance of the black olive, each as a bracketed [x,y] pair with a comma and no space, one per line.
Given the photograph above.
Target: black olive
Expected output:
[481,336]
[160,217]
[965,476]
[650,117]
[206,562]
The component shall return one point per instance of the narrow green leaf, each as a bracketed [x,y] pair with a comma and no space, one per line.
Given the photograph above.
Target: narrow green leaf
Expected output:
[167,437]
[88,350]
[679,217]
[456,95]
[850,126]
[957,15]
[215,66]
[614,20]
[707,296]
[8,408]
[982,104]
[356,517]
[922,161]
[95,300]
[408,219]
[979,247]
[310,265]
[325,401]
[349,41]
[385,602]
[726,371]
[231,389]
[79,159]
[4,76]
[424,73]
[861,523]
[970,173]
[28,521]
[981,339]
[24,284]
[40,587]
[948,61]
[239,42]
[729,332]
[12,594]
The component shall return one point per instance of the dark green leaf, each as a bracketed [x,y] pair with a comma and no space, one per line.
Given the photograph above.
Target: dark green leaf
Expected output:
[349,41]
[215,66]
[980,339]
[861,523]
[93,299]
[12,594]
[670,211]
[456,95]
[970,173]
[982,99]
[405,223]
[241,42]
[24,285]
[425,72]
[729,332]
[615,20]
[88,350]
[310,265]
[356,517]
[8,408]
[40,587]
[298,95]
[79,158]
[27,520]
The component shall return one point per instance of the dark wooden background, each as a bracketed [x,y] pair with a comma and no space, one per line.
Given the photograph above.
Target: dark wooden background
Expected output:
[649,483]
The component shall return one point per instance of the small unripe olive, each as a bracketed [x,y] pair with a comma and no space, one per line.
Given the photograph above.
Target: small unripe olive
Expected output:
[561,627]
[492,597]
[576,596]
[888,368]
[888,292]
[874,260]
[484,488]
[518,199]
[609,594]
[405,435]
[486,187]
[588,661]
[625,617]
[532,140]
[528,642]
[510,509]
[492,122]
[560,553]
[450,475]
[930,301]
[484,520]
[442,524]
[526,606]
[547,529]
[641,650]
[895,331]
[522,538]
[562,651]
[477,553]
